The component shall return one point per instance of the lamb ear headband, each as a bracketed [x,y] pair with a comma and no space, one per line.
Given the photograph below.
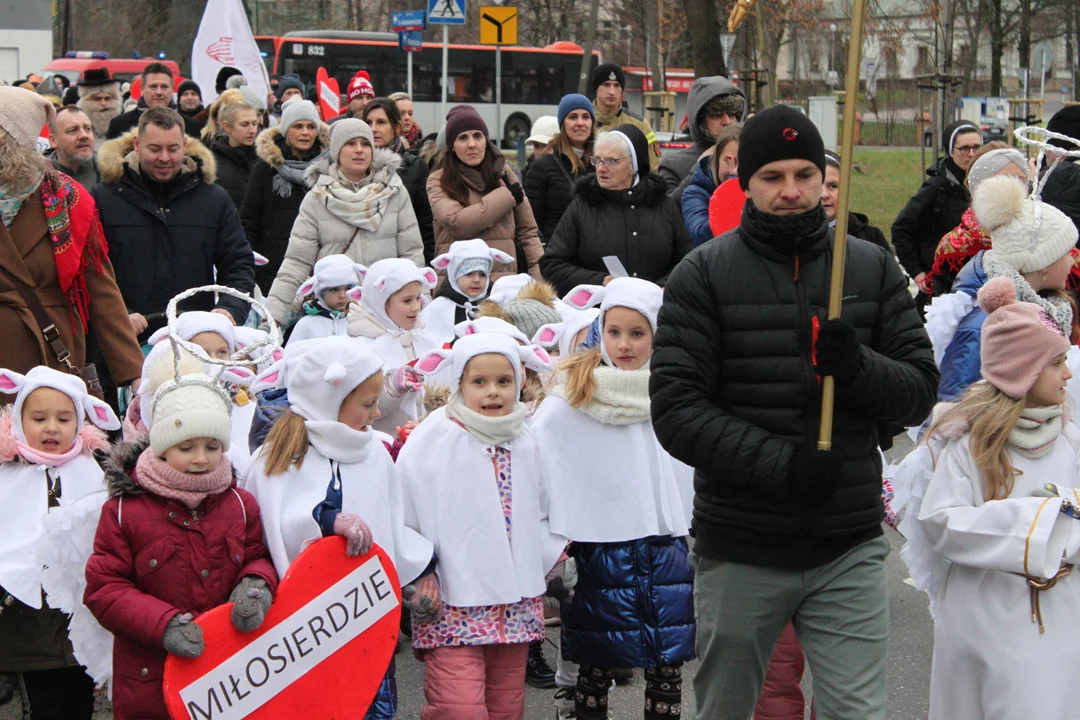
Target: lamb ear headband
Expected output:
[563,334]
[633,293]
[86,405]
[533,357]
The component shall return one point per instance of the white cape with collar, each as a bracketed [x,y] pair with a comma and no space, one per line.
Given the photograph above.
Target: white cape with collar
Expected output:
[452,498]
[608,483]
[396,411]
[438,318]
[369,489]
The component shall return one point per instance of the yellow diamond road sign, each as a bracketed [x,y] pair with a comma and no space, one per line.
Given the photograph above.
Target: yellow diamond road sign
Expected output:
[498,25]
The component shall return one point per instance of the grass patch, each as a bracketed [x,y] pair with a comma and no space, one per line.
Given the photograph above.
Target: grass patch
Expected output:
[888,180]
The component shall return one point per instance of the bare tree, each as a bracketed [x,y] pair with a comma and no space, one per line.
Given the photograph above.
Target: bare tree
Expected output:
[701,17]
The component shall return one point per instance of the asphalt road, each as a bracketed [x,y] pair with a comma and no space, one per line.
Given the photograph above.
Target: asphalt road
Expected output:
[911,642]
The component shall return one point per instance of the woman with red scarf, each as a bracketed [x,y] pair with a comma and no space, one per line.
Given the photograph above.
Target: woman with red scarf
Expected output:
[53,248]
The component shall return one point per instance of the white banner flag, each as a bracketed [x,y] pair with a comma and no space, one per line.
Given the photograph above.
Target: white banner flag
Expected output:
[225,40]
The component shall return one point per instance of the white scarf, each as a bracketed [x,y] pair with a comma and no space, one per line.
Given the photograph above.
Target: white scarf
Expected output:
[339,442]
[364,324]
[1035,432]
[488,430]
[362,207]
[620,397]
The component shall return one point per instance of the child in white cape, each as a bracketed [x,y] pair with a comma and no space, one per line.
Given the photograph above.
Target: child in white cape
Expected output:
[473,476]
[1001,514]
[468,280]
[614,493]
[386,320]
[325,312]
[51,493]
[324,470]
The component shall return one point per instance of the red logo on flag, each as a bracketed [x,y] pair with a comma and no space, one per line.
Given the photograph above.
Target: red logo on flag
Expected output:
[222,51]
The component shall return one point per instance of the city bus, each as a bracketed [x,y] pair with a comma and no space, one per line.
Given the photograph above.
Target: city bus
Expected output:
[533,79]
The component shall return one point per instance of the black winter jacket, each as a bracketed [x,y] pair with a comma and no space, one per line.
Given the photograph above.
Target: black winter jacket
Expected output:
[933,211]
[271,203]
[859,226]
[125,122]
[413,173]
[549,186]
[735,395]
[233,167]
[641,226]
[160,247]
[1063,190]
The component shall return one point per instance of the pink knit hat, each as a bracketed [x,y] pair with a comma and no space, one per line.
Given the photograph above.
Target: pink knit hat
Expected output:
[1019,339]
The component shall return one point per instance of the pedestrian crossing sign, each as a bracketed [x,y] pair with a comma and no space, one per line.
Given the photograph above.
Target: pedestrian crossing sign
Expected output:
[446,12]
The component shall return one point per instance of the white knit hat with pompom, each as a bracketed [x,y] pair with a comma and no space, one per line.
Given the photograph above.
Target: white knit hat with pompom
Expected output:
[1025,233]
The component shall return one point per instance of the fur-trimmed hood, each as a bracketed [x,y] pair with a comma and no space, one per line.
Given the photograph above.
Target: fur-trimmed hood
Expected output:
[268,145]
[118,154]
[650,192]
[120,467]
[384,166]
[94,439]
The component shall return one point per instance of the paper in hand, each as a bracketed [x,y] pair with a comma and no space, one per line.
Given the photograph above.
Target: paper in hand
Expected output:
[615,267]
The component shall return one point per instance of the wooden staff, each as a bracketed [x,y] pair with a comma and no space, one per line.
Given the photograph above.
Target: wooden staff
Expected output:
[847,151]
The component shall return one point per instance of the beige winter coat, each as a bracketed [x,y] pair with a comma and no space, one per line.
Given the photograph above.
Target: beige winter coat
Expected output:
[492,218]
[318,232]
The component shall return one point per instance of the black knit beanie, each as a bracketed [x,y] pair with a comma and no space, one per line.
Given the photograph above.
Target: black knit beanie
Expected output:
[779,133]
[223,77]
[605,72]
[1065,121]
[954,129]
[188,85]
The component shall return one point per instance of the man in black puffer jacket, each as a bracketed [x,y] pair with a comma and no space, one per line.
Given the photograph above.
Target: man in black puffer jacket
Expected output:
[786,532]
[1063,186]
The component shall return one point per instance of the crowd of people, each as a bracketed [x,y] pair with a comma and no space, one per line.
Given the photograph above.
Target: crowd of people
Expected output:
[575,392]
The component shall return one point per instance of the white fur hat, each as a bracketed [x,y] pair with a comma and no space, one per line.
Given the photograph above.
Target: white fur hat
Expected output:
[383,279]
[192,323]
[1025,232]
[466,256]
[71,385]
[320,374]
[330,272]
[633,293]
[489,325]
[468,347]
[564,333]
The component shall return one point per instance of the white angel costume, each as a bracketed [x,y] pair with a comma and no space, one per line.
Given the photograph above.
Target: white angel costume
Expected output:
[395,346]
[982,564]
[493,542]
[318,320]
[49,508]
[353,467]
[464,257]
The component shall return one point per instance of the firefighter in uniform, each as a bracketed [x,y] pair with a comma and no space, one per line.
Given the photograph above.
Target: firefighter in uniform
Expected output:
[608,84]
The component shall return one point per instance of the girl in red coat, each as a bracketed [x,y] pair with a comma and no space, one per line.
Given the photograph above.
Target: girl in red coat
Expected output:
[175,539]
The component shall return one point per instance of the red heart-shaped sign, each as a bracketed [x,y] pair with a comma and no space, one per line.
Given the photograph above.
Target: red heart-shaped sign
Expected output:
[725,207]
[322,651]
[329,94]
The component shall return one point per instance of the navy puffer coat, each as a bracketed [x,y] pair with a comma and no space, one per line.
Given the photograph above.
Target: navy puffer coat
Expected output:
[633,606]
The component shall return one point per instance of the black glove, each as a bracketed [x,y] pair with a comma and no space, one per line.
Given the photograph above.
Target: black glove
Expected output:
[183,637]
[516,191]
[815,474]
[838,350]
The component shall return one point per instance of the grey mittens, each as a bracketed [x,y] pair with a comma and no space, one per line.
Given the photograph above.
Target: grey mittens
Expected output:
[183,637]
[251,600]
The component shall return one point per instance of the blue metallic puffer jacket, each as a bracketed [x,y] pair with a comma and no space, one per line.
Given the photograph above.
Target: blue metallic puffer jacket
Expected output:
[695,202]
[960,365]
[384,706]
[633,606]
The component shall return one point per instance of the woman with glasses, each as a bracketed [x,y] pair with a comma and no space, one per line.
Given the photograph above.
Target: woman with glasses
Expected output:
[549,183]
[622,212]
[937,207]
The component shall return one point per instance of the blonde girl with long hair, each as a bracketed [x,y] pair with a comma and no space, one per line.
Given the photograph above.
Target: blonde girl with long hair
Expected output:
[324,471]
[1000,519]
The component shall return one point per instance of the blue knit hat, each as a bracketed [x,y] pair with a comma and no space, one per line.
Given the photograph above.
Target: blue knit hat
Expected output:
[572,102]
